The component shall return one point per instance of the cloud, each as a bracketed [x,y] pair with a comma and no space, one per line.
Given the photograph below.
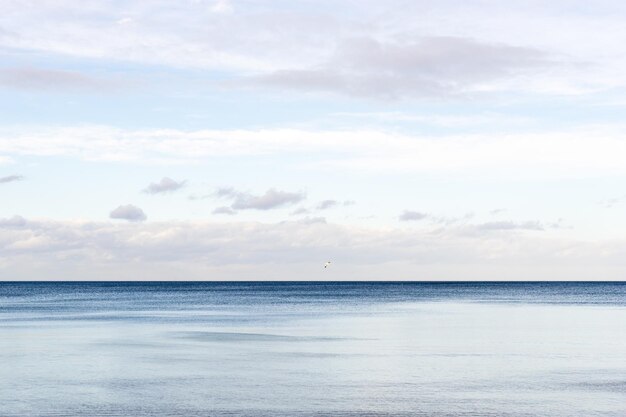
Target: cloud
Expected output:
[470,121]
[166,185]
[222,6]
[409,215]
[11,178]
[326,204]
[497,211]
[128,212]
[343,47]
[224,210]
[195,197]
[15,221]
[125,21]
[312,220]
[300,210]
[510,225]
[228,192]
[612,202]
[200,35]
[462,225]
[425,67]
[37,79]
[271,199]
[292,250]
[592,151]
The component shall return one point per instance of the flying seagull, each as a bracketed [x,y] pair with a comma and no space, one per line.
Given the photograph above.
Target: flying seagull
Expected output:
[327,264]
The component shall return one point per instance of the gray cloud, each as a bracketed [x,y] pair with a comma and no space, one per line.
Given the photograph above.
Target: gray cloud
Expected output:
[409,215]
[224,210]
[323,205]
[426,67]
[326,204]
[11,178]
[510,225]
[226,192]
[298,39]
[15,221]
[166,185]
[299,211]
[50,79]
[195,197]
[271,199]
[312,220]
[128,212]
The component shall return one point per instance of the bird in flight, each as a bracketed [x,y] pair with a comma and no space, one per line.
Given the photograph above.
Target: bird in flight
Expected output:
[327,264]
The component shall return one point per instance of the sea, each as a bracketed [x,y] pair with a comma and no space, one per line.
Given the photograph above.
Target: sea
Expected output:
[377,349]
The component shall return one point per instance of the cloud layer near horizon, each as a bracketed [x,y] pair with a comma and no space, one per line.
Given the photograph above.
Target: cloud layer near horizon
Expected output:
[302,245]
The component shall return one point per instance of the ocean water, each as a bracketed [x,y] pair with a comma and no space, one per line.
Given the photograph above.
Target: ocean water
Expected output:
[312,349]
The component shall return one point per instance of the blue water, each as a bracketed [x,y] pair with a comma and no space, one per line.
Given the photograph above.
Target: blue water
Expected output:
[312,349]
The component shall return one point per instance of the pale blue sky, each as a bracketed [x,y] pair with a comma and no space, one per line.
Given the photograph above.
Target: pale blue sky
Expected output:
[403,140]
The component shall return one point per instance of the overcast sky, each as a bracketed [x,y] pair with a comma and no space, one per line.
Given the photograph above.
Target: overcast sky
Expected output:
[227,139]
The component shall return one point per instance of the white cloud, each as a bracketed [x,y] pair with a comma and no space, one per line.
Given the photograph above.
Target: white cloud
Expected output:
[198,35]
[271,199]
[125,21]
[222,6]
[448,121]
[584,151]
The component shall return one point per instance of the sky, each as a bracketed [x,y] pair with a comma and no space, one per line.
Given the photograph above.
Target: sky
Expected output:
[255,140]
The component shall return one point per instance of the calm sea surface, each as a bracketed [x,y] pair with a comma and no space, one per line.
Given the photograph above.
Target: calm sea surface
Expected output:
[312,349]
